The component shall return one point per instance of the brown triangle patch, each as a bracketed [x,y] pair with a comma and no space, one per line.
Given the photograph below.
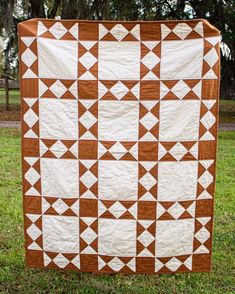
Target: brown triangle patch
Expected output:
[153,191]
[94,50]
[82,130]
[193,35]
[152,229]
[49,154]
[140,247]
[185,215]
[68,155]
[82,188]
[157,49]
[166,216]
[82,50]
[37,186]
[129,96]
[129,37]
[71,266]
[39,241]
[168,157]
[47,35]
[94,189]
[196,244]
[191,95]
[127,156]
[82,169]
[172,36]
[142,130]
[167,204]
[52,255]
[143,70]
[144,50]
[107,156]
[68,143]
[81,70]
[170,84]
[94,244]
[52,211]
[109,96]
[156,70]
[127,215]
[202,130]
[68,36]
[198,226]
[143,111]
[141,191]
[83,225]
[48,94]
[151,247]
[94,70]
[67,95]
[205,68]
[34,67]
[69,212]
[207,46]
[83,244]
[108,37]
[34,47]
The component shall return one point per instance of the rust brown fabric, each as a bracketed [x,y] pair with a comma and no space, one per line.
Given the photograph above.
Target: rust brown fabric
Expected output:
[119,132]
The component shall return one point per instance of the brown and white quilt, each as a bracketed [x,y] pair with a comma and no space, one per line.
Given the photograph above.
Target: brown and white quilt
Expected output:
[119,131]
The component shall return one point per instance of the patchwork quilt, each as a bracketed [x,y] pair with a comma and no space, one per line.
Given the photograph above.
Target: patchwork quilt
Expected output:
[119,131]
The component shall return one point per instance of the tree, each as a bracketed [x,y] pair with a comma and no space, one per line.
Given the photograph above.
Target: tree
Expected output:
[8,28]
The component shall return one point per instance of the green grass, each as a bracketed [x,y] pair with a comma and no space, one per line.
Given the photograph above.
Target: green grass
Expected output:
[227,111]
[14,112]
[16,278]
[14,97]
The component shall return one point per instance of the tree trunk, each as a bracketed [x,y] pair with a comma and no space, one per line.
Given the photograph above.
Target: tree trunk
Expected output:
[37,8]
[6,75]
[53,11]
[7,92]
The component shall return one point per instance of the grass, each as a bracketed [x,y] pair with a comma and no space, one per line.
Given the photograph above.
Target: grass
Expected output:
[14,96]
[14,112]
[227,111]
[227,108]
[16,278]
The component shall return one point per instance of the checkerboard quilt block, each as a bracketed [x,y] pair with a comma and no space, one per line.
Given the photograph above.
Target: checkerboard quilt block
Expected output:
[119,132]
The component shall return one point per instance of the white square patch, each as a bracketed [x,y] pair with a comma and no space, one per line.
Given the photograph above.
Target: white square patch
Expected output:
[179,120]
[174,237]
[58,119]
[60,234]
[59,177]
[57,59]
[119,60]
[118,120]
[177,181]
[181,59]
[118,180]
[117,237]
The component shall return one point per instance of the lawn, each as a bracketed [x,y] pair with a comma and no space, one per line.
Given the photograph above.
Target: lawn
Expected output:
[14,112]
[16,278]
[227,111]
[227,108]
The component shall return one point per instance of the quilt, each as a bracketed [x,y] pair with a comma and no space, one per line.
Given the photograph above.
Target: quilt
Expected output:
[119,132]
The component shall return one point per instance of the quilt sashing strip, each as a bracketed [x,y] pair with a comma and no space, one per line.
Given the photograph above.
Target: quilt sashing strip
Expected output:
[119,134]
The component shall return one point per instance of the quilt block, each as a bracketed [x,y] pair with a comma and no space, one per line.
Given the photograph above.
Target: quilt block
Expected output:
[119,132]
